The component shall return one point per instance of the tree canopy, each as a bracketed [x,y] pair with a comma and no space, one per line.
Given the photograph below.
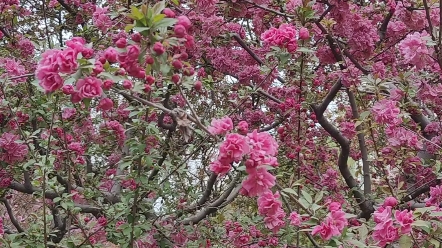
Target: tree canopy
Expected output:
[220,123]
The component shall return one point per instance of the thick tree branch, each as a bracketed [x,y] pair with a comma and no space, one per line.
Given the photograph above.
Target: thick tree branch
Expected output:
[365,205]
[362,145]
[227,197]
[11,215]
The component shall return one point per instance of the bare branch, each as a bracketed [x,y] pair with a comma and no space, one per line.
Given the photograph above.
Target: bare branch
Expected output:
[228,196]
[362,145]
[11,215]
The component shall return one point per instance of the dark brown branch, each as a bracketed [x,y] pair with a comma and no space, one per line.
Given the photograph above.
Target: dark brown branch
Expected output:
[251,53]
[365,205]
[208,191]
[384,26]
[269,9]
[329,97]
[59,230]
[268,128]
[66,7]
[5,32]
[362,145]
[11,215]
[228,196]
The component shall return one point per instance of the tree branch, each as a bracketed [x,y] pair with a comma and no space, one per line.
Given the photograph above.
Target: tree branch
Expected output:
[11,215]
[227,197]
[362,145]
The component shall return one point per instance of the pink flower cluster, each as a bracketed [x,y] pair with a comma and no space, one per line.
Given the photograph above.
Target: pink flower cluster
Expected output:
[386,112]
[101,20]
[388,230]
[435,196]
[56,61]
[282,37]
[348,129]
[270,206]
[415,51]
[333,224]
[399,136]
[260,150]
[11,149]
[221,126]
[118,130]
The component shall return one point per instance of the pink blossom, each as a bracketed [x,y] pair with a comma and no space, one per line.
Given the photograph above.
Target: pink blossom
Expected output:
[269,203]
[348,129]
[89,87]
[283,37]
[405,219]
[221,126]
[295,219]
[334,206]
[338,219]
[11,149]
[220,168]
[158,48]
[68,113]
[258,181]
[50,81]
[101,20]
[262,143]
[68,89]
[111,54]
[390,201]
[67,60]
[233,148]
[276,221]
[304,34]
[180,31]
[76,43]
[435,196]
[106,104]
[386,112]
[183,20]
[385,233]
[242,127]
[415,50]
[326,230]
[382,215]
[169,13]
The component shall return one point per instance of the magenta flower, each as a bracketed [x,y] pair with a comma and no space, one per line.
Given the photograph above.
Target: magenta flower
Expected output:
[221,126]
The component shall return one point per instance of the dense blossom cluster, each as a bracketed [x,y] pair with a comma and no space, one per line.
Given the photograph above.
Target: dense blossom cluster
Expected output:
[112,132]
[283,37]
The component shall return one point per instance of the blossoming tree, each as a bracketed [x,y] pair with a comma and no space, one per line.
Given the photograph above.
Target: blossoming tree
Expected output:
[220,123]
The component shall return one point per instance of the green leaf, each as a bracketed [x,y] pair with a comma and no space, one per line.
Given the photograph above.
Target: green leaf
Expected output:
[141,29]
[291,191]
[165,23]
[405,242]
[348,216]
[136,13]
[363,232]
[318,197]
[304,50]
[364,115]
[128,28]
[158,7]
[158,18]
[307,197]
[424,225]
